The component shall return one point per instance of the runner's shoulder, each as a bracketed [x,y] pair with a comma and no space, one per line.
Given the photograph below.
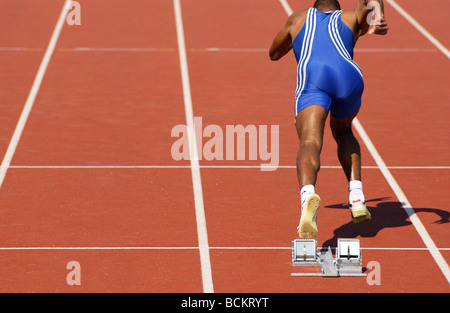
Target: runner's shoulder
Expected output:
[298,16]
[297,20]
[350,18]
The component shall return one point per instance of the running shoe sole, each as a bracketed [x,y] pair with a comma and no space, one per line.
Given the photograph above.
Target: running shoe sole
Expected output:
[360,213]
[307,229]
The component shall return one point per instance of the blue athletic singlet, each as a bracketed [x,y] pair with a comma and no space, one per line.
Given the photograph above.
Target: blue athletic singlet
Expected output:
[326,72]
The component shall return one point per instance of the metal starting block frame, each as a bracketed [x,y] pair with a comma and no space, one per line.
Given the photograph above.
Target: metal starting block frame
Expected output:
[348,260]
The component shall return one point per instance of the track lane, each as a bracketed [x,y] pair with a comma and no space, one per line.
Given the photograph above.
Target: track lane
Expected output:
[104,108]
[430,16]
[418,96]
[390,220]
[27,28]
[102,271]
[218,182]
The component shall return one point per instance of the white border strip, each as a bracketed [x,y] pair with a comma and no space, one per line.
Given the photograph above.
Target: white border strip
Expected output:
[33,93]
[196,248]
[419,27]
[360,50]
[87,49]
[202,233]
[286,7]
[429,243]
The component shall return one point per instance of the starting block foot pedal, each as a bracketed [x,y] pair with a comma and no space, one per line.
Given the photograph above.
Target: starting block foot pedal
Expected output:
[348,260]
[304,252]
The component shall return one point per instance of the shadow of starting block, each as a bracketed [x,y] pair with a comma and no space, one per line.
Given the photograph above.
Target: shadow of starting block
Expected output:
[347,262]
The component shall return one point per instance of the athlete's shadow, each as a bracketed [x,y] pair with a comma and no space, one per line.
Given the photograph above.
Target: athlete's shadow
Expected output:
[385,214]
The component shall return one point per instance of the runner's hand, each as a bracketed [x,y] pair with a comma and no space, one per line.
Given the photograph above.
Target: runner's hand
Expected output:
[380,27]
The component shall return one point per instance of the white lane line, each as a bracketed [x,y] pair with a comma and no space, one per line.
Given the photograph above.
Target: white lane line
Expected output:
[94,248]
[403,249]
[12,49]
[377,50]
[392,50]
[116,49]
[22,49]
[86,49]
[33,93]
[211,167]
[210,49]
[232,50]
[287,8]
[197,248]
[202,233]
[418,167]
[419,27]
[423,233]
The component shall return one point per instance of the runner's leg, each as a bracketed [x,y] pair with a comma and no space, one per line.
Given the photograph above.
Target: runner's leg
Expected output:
[349,152]
[310,125]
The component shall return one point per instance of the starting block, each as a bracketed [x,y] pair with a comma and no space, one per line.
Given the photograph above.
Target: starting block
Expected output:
[348,260]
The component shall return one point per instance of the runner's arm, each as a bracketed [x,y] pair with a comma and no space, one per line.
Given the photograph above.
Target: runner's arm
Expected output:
[282,43]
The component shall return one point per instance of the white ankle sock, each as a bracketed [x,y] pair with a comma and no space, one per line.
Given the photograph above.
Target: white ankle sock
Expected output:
[355,189]
[306,191]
